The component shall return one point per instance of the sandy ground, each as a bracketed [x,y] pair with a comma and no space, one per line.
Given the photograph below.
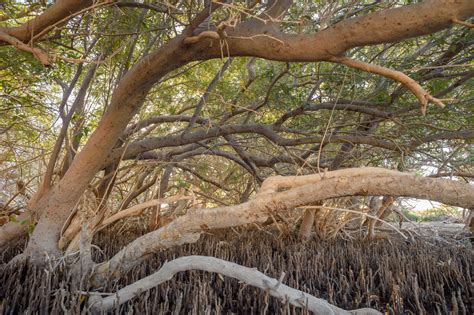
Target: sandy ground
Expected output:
[434,229]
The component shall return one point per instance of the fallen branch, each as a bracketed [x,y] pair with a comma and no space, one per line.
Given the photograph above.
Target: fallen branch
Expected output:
[423,96]
[250,276]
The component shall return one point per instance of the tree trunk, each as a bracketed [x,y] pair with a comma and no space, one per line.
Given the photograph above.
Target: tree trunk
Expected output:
[391,25]
[127,99]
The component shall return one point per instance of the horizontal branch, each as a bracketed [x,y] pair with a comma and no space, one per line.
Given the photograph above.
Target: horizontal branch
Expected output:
[249,276]
[333,106]
[268,131]
[307,190]
[134,149]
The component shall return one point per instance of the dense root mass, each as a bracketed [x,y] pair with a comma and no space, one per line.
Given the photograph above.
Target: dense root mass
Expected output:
[394,276]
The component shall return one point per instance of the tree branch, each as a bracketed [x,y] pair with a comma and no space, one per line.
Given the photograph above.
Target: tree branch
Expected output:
[303,190]
[423,96]
[249,276]
[60,11]
[37,53]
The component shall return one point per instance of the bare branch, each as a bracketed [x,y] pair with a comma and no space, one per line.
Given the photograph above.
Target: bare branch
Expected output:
[137,209]
[423,96]
[249,276]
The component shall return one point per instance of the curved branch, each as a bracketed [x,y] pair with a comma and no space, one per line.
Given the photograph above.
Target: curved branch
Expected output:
[37,53]
[332,106]
[423,96]
[137,209]
[58,12]
[249,276]
[162,119]
[447,135]
[308,189]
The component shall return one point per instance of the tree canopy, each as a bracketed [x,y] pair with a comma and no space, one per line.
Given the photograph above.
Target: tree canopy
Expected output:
[178,115]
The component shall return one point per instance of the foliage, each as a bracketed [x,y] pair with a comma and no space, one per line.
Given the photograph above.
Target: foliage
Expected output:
[250,92]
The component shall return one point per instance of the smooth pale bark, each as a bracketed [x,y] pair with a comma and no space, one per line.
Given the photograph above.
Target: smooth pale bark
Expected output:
[249,276]
[348,182]
[251,38]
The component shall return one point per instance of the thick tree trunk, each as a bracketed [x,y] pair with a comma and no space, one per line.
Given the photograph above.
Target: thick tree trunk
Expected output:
[127,99]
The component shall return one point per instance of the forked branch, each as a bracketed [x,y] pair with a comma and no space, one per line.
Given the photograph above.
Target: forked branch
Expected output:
[250,276]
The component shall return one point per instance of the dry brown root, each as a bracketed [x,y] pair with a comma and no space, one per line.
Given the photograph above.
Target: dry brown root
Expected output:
[250,276]
[307,224]
[463,23]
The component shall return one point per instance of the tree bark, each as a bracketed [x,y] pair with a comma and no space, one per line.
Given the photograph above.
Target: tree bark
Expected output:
[302,190]
[250,38]
[249,276]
